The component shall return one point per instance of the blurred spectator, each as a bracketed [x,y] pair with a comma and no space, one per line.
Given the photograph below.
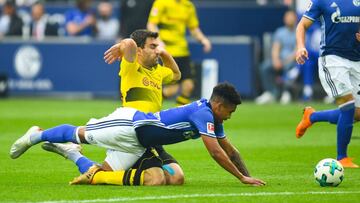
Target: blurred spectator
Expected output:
[107,26]
[40,25]
[10,23]
[278,73]
[133,15]
[80,21]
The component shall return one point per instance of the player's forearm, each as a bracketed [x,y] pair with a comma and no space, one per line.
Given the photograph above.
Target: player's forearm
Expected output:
[221,158]
[239,163]
[198,35]
[300,32]
[169,62]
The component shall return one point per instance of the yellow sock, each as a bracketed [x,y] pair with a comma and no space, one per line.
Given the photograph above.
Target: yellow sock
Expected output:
[129,177]
[182,100]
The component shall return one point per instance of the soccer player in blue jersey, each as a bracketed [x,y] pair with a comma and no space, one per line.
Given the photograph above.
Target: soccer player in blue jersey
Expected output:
[339,67]
[131,131]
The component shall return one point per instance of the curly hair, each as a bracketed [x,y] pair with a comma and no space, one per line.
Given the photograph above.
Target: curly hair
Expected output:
[227,93]
[140,36]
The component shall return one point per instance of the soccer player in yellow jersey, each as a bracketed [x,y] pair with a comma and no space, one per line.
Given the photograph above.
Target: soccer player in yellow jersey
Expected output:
[142,78]
[171,18]
[141,84]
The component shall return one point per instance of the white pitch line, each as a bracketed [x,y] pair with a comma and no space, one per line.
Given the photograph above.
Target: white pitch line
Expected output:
[246,194]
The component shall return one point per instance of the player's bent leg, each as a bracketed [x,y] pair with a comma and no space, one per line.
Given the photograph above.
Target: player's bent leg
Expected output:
[170,90]
[58,134]
[187,87]
[72,152]
[174,174]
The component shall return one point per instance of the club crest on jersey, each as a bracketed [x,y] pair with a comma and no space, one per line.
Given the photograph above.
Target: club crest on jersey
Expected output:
[356,3]
[210,128]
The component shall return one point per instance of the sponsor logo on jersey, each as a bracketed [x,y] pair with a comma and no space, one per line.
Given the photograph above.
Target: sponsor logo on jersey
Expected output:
[147,82]
[210,128]
[337,18]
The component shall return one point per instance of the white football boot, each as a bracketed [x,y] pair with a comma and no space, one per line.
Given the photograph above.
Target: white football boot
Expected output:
[63,149]
[23,143]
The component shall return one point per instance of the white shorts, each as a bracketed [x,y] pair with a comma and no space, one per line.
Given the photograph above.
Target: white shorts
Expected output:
[120,160]
[116,133]
[340,76]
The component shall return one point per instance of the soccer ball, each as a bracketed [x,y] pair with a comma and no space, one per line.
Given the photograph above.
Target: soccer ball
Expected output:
[329,172]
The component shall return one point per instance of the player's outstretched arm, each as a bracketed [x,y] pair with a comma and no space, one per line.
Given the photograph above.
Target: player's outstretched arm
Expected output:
[125,48]
[234,156]
[302,53]
[223,160]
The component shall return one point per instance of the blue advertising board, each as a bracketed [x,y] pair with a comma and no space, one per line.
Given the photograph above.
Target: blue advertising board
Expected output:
[78,68]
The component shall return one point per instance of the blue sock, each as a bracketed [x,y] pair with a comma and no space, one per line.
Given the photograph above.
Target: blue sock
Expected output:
[344,128]
[84,164]
[60,134]
[331,116]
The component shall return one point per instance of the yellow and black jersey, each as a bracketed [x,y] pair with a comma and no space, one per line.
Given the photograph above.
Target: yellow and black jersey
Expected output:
[172,18]
[141,88]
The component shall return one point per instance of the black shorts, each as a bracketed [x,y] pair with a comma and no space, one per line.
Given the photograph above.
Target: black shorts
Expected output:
[186,68]
[150,159]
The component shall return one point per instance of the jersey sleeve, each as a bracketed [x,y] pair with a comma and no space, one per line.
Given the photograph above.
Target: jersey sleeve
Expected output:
[167,75]
[193,21]
[204,122]
[219,131]
[313,11]
[156,12]
[127,67]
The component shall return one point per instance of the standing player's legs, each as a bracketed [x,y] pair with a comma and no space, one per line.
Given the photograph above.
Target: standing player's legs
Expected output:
[340,79]
[186,81]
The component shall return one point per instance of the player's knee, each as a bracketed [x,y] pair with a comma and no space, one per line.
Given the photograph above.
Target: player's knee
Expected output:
[154,176]
[187,85]
[175,176]
[177,179]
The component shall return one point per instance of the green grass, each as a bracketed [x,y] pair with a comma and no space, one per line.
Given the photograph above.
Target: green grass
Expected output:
[263,134]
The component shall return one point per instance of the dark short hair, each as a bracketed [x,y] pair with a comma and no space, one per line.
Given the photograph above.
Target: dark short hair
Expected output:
[227,93]
[140,36]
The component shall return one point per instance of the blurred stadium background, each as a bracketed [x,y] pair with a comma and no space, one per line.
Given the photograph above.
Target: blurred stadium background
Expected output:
[65,66]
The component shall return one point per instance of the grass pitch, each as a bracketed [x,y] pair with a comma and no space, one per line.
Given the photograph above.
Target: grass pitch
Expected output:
[264,136]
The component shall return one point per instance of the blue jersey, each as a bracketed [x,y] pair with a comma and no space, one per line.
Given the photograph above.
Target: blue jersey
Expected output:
[340,21]
[196,117]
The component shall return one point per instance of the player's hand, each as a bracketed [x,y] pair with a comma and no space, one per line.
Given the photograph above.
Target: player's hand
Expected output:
[301,56]
[252,181]
[358,36]
[207,45]
[112,54]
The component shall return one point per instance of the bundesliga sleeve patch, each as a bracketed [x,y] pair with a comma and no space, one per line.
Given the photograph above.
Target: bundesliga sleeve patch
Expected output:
[210,128]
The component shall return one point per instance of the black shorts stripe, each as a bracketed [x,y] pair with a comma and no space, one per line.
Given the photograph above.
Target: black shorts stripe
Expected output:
[331,84]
